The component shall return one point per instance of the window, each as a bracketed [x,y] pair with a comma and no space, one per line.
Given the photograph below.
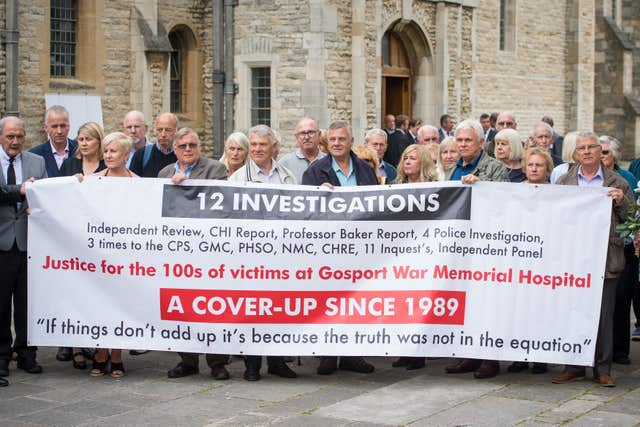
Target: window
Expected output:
[63,23]
[175,90]
[261,96]
[507,25]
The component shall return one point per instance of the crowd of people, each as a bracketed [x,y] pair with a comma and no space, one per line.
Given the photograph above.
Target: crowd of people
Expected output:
[404,150]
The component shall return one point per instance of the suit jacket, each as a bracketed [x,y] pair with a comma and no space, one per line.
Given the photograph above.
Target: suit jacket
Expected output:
[392,172]
[44,150]
[488,169]
[321,171]
[205,168]
[13,224]
[397,142]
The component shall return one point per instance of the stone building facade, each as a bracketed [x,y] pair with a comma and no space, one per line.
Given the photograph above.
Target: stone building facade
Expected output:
[353,60]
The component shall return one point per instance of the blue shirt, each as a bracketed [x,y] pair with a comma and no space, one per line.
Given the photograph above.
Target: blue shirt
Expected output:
[345,180]
[596,181]
[462,170]
[187,171]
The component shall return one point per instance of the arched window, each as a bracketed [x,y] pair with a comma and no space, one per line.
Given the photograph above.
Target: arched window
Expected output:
[185,73]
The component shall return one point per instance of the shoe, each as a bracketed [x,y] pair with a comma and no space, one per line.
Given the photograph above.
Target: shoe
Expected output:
[98,369]
[356,364]
[88,353]
[463,366]
[79,361]
[251,374]
[415,363]
[182,370]
[622,359]
[219,372]
[328,365]
[3,382]
[487,369]
[27,362]
[635,336]
[137,352]
[567,377]
[539,368]
[518,367]
[605,380]
[63,354]
[4,368]
[117,370]
[400,362]
[282,370]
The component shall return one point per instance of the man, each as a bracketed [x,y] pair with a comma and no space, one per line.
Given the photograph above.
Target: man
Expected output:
[341,168]
[505,120]
[428,136]
[262,167]
[541,136]
[398,140]
[447,123]
[414,125]
[16,168]
[591,173]
[190,165]
[135,126]
[377,139]
[58,147]
[308,139]
[389,124]
[489,131]
[556,142]
[150,159]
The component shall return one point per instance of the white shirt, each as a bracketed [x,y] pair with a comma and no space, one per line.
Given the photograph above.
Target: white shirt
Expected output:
[17,165]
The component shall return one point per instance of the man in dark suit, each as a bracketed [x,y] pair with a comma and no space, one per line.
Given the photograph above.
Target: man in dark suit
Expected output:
[398,140]
[541,136]
[150,159]
[377,139]
[17,167]
[58,147]
[556,143]
[447,124]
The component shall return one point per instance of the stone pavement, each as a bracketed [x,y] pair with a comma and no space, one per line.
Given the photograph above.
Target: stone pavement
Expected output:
[64,396]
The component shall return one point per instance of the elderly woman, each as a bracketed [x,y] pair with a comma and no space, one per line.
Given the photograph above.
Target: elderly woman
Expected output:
[538,165]
[236,148]
[88,157]
[369,155]
[448,155]
[611,156]
[568,156]
[508,149]
[416,165]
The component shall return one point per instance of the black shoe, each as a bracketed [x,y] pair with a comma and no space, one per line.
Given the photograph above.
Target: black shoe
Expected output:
[138,352]
[251,374]
[282,370]
[88,353]
[415,363]
[4,368]
[621,359]
[79,362]
[356,364]
[400,362]
[182,370]
[3,382]
[27,363]
[539,368]
[328,365]
[518,367]
[64,354]
[219,372]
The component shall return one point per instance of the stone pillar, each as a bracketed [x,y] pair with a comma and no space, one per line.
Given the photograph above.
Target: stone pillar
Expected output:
[358,70]
[441,92]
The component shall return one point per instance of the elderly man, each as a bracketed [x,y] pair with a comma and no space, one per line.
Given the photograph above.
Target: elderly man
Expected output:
[541,136]
[308,139]
[389,124]
[16,167]
[447,124]
[557,140]
[341,168]
[505,120]
[377,139]
[428,136]
[397,141]
[58,147]
[591,173]
[135,126]
[151,158]
[190,165]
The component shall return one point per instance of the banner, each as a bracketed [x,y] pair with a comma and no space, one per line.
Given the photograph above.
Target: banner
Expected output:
[491,271]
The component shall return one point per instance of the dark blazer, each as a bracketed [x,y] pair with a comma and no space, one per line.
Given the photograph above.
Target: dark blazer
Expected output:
[73,165]
[321,171]
[205,168]
[44,150]
[13,225]
[392,172]
[397,142]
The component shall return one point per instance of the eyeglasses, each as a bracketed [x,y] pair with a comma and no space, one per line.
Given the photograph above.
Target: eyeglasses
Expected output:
[505,124]
[587,147]
[191,146]
[605,152]
[434,138]
[306,134]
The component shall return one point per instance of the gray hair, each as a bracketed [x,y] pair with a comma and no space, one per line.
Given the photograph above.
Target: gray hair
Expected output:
[587,134]
[341,124]
[125,143]
[373,132]
[471,124]
[240,139]
[58,109]
[140,115]
[516,151]
[184,132]
[14,119]
[614,146]
[569,147]
[422,128]
[263,130]
[541,125]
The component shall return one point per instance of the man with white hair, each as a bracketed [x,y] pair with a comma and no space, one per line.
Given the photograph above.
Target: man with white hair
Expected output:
[308,151]
[542,136]
[377,139]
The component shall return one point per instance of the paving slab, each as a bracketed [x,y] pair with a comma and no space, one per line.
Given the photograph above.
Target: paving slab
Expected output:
[568,411]
[605,419]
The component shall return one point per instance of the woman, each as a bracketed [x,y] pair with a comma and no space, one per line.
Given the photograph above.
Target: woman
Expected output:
[86,161]
[415,166]
[236,148]
[371,157]
[611,156]
[568,156]
[508,149]
[115,150]
[447,155]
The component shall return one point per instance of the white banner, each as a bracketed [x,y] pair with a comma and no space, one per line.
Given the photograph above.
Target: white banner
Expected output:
[494,270]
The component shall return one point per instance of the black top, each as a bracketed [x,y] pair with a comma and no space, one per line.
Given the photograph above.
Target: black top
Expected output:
[516,175]
[157,161]
[72,166]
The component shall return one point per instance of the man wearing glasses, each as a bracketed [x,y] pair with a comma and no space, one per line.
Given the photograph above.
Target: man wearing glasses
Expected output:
[150,159]
[591,173]
[308,139]
[506,120]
